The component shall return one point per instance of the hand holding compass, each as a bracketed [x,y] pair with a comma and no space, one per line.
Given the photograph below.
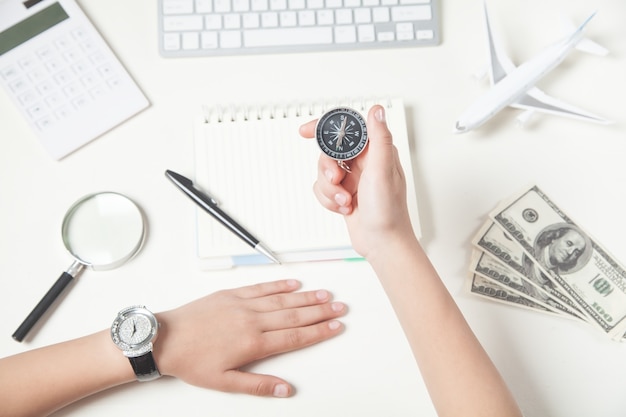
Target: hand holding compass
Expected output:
[341,134]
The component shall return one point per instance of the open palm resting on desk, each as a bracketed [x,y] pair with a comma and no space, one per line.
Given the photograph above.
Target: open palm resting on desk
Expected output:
[242,325]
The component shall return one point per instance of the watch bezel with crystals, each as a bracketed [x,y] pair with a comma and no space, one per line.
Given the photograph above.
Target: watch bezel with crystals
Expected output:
[142,347]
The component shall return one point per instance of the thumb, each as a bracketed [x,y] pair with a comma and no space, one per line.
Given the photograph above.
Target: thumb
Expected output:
[255,384]
[379,136]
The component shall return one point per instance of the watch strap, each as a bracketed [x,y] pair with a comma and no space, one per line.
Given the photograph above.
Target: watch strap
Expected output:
[145,367]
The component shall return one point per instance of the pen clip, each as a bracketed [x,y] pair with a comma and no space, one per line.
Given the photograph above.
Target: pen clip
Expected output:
[211,199]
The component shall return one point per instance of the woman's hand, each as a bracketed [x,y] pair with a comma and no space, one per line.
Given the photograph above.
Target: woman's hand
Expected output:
[373,196]
[208,341]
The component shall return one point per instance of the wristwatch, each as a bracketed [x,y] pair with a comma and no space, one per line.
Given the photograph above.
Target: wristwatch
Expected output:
[134,330]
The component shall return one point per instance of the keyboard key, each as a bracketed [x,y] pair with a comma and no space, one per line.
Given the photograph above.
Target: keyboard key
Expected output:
[306,18]
[251,20]
[204,6]
[366,33]
[208,40]
[182,23]
[288,36]
[411,13]
[177,6]
[424,34]
[230,39]
[345,34]
[191,40]
[171,41]
[380,14]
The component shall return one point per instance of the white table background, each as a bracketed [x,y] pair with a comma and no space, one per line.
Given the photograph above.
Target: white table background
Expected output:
[555,367]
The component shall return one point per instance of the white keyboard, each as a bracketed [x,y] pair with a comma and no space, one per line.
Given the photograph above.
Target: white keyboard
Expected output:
[231,27]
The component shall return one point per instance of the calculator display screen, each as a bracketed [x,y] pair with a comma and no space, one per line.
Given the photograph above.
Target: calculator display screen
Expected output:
[31,27]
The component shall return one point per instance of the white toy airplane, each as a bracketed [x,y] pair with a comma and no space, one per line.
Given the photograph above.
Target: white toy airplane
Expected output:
[515,86]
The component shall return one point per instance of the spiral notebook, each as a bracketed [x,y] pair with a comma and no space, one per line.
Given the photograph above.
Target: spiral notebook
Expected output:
[253,162]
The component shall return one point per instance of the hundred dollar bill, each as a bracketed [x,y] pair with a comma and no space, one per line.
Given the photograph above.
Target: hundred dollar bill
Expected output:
[485,265]
[492,239]
[483,287]
[555,247]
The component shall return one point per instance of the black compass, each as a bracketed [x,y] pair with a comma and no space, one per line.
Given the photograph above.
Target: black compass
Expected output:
[341,134]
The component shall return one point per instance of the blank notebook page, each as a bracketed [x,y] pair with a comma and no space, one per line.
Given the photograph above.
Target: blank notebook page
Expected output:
[261,172]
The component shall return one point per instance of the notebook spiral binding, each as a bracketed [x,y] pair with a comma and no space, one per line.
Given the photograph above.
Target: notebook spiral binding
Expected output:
[314,108]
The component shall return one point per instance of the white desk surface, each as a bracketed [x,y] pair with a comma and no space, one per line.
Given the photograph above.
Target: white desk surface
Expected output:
[554,366]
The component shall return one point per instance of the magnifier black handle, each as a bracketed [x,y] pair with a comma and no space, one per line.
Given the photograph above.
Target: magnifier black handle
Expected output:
[42,306]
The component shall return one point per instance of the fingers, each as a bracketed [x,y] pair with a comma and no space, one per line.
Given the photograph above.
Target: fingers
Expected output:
[255,384]
[286,340]
[301,316]
[329,188]
[266,288]
[382,153]
[287,301]
[307,130]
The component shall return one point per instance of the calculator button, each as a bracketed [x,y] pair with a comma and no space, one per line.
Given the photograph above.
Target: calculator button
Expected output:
[90,79]
[36,111]
[9,73]
[28,98]
[98,91]
[46,87]
[54,65]
[63,112]
[55,100]
[27,63]
[97,58]
[80,67]
[115,82]
[72,90]
[63,43]
[88,47]
[80,34]
[45,122]
[72,55]
[81,101]
[106,70]
[18,85]
[45,53]
[63,77]
[38,74]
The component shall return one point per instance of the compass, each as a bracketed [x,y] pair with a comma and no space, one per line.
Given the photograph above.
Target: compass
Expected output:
[341,134]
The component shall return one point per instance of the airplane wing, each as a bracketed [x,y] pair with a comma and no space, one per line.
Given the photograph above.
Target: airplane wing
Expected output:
[537,100]
[499,62]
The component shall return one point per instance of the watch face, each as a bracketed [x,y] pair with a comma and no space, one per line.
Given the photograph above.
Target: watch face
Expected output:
[341,133]
[134,327]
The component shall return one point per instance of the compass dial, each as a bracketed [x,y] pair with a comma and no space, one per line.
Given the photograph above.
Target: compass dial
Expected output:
[341,133]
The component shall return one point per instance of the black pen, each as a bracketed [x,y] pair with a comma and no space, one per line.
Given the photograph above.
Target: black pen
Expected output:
[210,206]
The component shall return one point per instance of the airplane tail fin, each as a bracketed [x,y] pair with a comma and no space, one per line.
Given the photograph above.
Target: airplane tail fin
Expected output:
[591,47]
[585,44]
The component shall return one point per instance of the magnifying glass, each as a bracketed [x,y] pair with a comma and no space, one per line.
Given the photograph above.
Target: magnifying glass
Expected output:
[101,231]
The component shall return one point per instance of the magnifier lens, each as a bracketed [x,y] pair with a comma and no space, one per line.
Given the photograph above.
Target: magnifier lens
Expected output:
[103,230]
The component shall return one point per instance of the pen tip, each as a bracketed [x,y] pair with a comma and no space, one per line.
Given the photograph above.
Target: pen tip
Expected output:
[262,249]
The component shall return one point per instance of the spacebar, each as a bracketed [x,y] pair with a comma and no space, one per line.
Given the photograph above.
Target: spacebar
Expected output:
[287,36]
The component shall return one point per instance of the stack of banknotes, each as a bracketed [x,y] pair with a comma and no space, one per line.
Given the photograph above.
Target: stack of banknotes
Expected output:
[531,254]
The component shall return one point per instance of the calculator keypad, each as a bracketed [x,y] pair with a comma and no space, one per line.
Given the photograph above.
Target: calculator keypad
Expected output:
[60,78]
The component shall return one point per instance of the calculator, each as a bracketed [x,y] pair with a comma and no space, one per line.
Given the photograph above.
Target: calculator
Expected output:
[61,74]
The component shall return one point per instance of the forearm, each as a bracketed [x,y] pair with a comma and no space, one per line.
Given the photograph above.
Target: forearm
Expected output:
[41,381]
[459,375]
